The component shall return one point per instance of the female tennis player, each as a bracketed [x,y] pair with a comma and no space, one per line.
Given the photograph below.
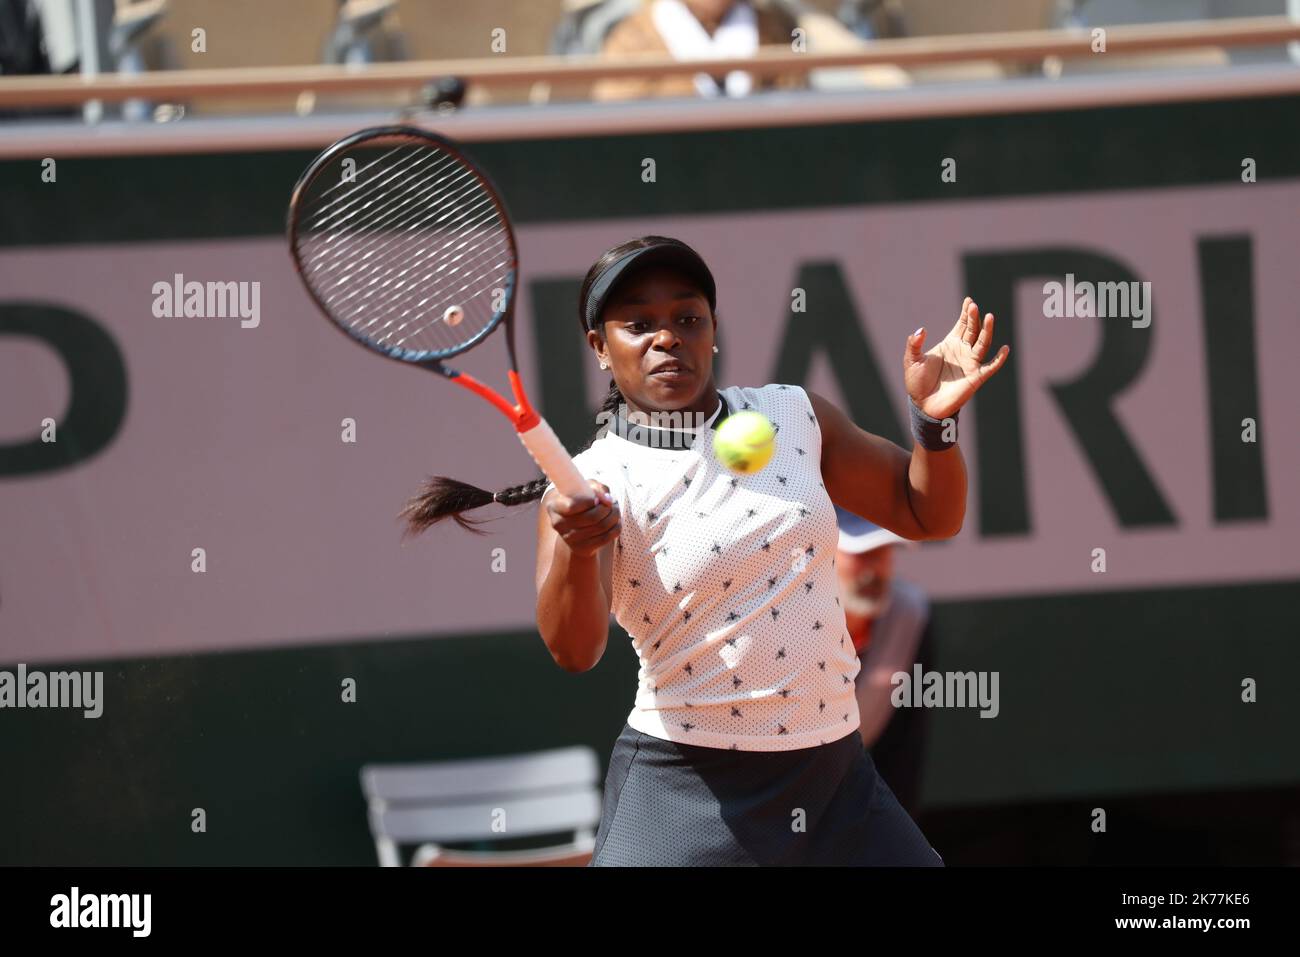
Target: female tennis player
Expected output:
[742,745]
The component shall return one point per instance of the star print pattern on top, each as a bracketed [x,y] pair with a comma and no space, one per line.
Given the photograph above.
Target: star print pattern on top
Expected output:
[726,585]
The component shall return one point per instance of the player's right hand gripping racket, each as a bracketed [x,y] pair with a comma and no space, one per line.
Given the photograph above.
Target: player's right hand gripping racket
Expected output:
[406,246]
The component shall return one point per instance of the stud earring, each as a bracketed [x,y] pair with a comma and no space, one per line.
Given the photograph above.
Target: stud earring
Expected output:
[715,348]
[603,366]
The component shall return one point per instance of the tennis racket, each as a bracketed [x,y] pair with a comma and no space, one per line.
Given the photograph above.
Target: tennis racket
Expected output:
[406,246]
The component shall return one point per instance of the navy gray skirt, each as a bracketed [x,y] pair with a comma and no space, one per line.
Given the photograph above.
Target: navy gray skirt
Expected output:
[672,805]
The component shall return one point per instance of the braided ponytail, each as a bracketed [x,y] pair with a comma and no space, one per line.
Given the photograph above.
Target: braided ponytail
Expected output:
[442,497]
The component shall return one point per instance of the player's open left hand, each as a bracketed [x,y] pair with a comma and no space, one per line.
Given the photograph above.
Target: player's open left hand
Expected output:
[942,380]
[587,523]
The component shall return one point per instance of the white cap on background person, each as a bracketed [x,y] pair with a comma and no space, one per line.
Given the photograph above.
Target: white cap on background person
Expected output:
[857,535]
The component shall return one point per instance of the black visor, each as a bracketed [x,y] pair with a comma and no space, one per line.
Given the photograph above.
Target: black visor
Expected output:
[677,257]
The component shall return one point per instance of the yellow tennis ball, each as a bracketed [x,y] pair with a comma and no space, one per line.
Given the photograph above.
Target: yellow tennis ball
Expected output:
[744,442]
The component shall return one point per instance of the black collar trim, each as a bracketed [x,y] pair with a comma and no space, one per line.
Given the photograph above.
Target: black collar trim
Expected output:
[661,438]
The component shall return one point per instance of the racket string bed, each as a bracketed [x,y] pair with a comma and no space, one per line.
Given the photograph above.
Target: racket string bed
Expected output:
[415,217]
[403,244]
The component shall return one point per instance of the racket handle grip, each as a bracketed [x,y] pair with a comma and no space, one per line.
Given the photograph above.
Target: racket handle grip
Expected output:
[550,455]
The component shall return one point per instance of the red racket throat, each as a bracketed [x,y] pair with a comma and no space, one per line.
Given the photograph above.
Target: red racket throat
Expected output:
[521,413]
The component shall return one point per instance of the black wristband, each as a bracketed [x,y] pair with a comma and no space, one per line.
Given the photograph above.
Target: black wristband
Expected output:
[929,432]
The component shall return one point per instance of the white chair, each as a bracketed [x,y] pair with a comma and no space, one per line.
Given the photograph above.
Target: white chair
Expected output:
[485,799]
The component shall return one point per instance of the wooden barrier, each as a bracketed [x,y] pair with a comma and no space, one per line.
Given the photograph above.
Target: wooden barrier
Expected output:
[1021,46]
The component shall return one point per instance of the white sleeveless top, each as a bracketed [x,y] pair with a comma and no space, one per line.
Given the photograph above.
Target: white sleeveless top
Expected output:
[726,585]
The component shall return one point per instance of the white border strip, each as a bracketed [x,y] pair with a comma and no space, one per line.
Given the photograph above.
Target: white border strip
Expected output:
[228,134]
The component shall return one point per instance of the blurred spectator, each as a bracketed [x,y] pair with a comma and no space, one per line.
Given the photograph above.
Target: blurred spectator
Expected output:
[889,622]
[826,34]
[24,52]
[698,29]
[857,14]
[585,24]
[1293,9]
[22,40]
